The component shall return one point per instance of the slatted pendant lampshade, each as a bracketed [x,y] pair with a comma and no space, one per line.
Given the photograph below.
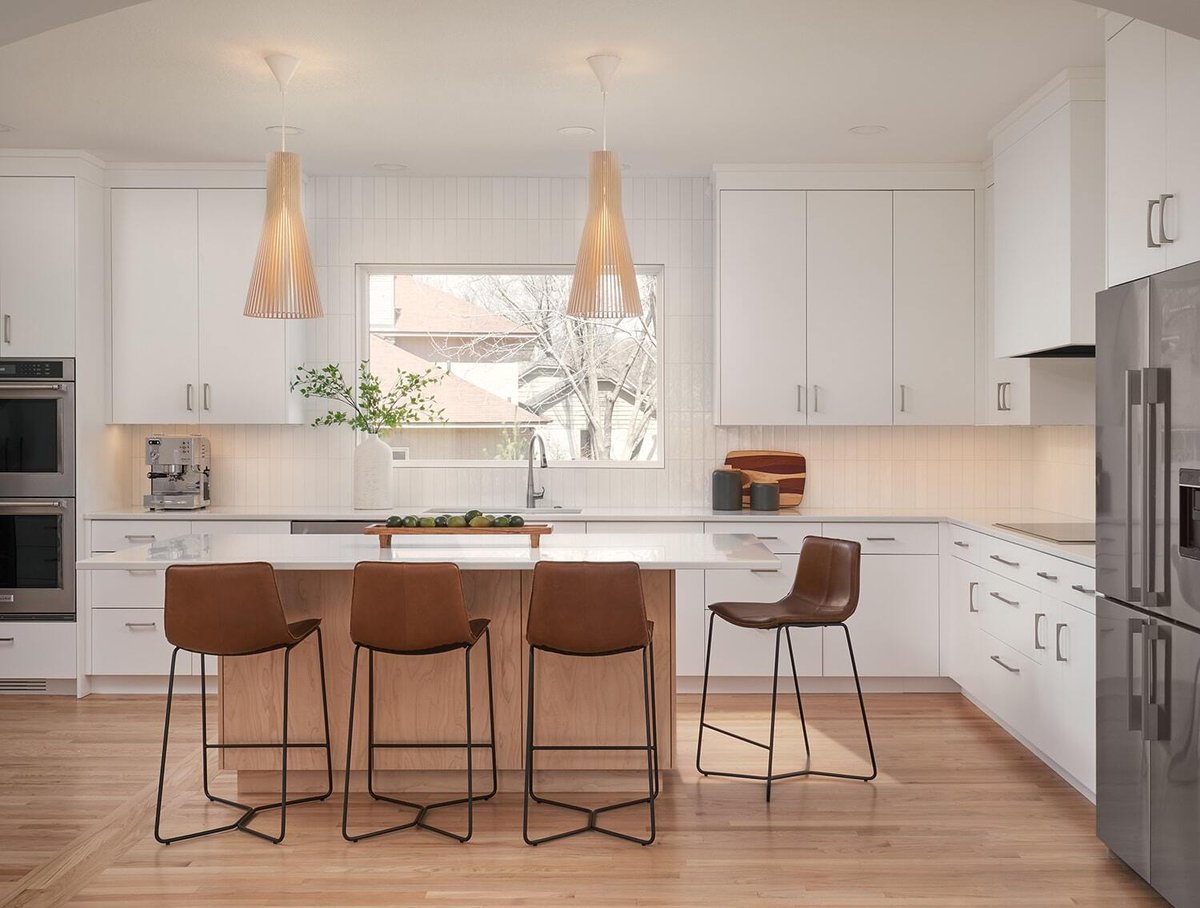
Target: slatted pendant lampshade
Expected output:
[283,283]
[605,283]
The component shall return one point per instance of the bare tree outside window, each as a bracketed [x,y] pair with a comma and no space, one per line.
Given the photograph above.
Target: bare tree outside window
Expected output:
[515,364]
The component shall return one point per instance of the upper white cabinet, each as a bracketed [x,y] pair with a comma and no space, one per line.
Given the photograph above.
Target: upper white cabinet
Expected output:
[933,295]
[1048,161]
[182,350]
[1153,135]
[845,306]
[849,264]
[37,266]
[762,316]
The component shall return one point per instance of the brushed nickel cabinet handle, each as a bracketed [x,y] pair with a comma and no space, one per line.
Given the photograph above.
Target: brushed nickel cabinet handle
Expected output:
[207,396]
[1002,599]
[8,329]
[903,399]
[1150,243]
[139,573]
[1037,630]
[1058,656]
[767,538]
[1005,561]
[961,544]
[140,625]
[8,640]
[881,539]
[189,397]
[1080,588]
[1004,665]
[1162,214]
[800,395]
[1045,576]
[816,398]
[971,596]
[134,537]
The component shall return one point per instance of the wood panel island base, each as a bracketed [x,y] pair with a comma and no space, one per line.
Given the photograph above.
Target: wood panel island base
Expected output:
[594,700]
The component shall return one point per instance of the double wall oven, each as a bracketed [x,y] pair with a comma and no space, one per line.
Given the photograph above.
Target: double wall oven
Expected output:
[37,489]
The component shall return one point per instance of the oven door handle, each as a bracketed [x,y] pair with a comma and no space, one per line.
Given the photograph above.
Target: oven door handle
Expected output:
[5,387]
[26,504]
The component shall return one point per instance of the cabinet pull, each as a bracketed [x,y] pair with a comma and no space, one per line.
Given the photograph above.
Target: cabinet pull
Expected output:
[8,329]
[8,640]
[139,573]
[1058,656]
[1004,665]
[140,625]
[1002,599]
[767,538]
[903,399]
[971,596]
[189,397]
[1002,396]
[1162,214]
[800,395]
[1150,243]
[1080,588]
[816,398]
[1045,576]
[881,539]
[134,537]
[1037,630]
[762,571]
[962,545]
[1005,561]
[207,396]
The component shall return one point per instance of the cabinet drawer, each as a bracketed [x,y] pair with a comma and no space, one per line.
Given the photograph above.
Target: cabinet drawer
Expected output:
[1010,560]
[114,535]
[233,527]
[1013,613]
[128,589]
[965,544]
[1007,684]
[780,538]
[745,652]
[131,642]
[1066,581]
[888,538]
[37,649]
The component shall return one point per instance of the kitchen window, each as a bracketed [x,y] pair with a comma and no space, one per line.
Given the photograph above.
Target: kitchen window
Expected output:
[514,364]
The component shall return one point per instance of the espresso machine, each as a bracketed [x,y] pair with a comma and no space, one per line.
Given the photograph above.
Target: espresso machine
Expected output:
[178,472]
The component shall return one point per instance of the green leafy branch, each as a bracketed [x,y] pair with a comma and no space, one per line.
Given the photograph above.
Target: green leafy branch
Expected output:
[373,408]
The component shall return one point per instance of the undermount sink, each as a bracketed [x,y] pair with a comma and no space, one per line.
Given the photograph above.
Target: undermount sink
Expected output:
[504,510]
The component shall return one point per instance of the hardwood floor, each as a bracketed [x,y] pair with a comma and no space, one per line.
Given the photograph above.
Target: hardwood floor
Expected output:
[960,815]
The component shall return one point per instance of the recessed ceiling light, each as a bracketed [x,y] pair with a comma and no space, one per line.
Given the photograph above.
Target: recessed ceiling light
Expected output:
[4,127]
[391,166]
[869,129]
[576,131]
[286,130]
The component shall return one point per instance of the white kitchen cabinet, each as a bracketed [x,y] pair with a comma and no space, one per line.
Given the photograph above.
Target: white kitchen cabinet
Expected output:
[761,322]
[1048,171]
[35,650]
[37,266]
[933,297]
[132,642]
[1181,214]
[182,350]
[894,629]
[849,264]
[1072,738]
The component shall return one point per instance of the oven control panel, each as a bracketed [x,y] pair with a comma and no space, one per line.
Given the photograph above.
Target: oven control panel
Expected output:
[32,368]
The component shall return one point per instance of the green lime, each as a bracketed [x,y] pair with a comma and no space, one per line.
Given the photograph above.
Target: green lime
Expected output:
[517,521]
[410,521]
[503,521]
[480,522]
[456,522]
[442,521]
[426,522]
[395,521]
[472,514]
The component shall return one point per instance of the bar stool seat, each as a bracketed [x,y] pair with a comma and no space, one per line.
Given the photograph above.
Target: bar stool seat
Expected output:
[415,610]
[589,610]
[824,594]
[232,610]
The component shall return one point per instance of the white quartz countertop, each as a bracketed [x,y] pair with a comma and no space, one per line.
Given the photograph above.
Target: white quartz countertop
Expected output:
[652,551]
[983,520]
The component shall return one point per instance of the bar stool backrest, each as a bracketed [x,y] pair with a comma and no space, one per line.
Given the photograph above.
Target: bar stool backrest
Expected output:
[224,609]
[409,608]
[587,608]
[827,577]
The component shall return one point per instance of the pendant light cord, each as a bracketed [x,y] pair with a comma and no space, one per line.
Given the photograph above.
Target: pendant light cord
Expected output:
[604,119]
[282,118]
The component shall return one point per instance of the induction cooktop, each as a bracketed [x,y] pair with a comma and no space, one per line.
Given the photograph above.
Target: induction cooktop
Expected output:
[1068,533]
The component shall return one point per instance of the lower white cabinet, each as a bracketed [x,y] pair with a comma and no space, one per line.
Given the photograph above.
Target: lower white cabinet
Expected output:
[37,650]
[1071,738]
[131,641]
[894,629]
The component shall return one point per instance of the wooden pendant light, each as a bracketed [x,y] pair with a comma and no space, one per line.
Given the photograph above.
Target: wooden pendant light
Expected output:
[283,283]
[605,283]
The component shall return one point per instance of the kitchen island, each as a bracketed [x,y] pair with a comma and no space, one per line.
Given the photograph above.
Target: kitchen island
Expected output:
[420,698]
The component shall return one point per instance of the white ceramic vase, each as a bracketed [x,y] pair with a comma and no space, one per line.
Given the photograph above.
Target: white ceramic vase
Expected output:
[372,474]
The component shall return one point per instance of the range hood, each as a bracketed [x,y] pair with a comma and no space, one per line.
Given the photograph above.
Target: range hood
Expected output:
[1069,351]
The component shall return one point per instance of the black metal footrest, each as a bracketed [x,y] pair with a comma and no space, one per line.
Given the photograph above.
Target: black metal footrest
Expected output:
[249,812]
[593,814]
[420,821]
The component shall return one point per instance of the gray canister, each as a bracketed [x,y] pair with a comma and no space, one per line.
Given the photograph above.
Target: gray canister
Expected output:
[764,496]
[727,489]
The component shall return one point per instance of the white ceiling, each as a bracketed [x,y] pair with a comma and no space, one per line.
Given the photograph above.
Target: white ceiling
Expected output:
[481,86]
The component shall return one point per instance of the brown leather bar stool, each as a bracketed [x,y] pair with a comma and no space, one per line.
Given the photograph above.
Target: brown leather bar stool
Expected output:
[230,610]
[824,594]
[591,609]
[414,610]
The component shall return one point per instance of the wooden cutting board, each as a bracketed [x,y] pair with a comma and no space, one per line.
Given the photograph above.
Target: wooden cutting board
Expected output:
[784,467]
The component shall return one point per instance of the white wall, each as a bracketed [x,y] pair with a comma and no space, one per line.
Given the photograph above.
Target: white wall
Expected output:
[481,220]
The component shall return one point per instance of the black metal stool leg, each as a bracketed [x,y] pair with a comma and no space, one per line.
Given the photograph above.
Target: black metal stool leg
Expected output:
[704,694]
[349,747]
[325,715]
[528,754]
[654,724]
[774,702]
[862,706]
[787,632]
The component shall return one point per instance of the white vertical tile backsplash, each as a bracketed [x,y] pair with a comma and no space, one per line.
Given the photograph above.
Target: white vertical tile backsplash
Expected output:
[485,220]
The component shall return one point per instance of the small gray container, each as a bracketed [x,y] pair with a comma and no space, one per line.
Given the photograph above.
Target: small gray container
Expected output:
[764,496]
[727,489]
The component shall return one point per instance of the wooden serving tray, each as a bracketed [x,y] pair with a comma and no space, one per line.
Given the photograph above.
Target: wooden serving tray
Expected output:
[535,532]
[784,467]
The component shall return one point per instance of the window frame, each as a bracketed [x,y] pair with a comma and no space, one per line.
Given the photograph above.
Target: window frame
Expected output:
[362,335]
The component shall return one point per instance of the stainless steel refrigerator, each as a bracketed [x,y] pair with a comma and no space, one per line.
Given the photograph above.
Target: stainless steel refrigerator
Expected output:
[1148,577]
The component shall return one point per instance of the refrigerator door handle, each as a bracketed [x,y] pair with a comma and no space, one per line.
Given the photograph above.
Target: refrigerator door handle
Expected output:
[1155,393]
[1157,725]
[1135,700]
[1133,398]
